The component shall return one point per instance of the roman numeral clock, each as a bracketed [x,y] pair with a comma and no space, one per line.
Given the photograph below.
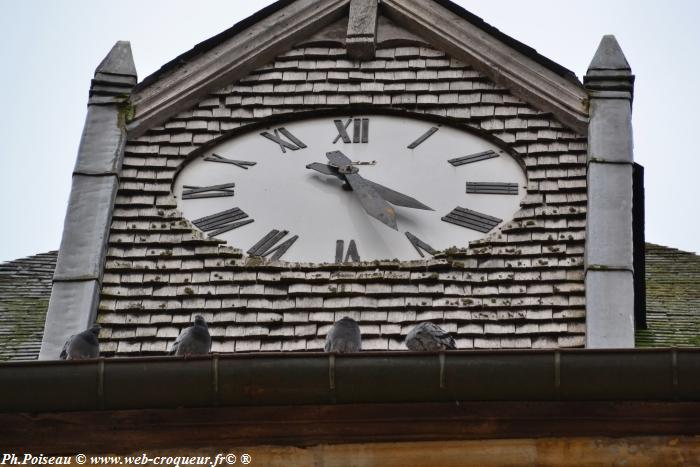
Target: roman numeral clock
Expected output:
[350,188]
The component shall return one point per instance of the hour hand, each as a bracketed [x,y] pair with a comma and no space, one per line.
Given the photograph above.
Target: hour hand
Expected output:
[338,159]
[324,169]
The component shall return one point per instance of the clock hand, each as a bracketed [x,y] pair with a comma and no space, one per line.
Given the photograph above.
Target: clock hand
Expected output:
[396,198]
[343,164]
[371,201]
[325,169]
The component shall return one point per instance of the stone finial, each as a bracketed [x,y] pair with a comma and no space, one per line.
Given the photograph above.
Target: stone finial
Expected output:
[361,39]
[609,71]
[115,76]
[609,56]
[119,61]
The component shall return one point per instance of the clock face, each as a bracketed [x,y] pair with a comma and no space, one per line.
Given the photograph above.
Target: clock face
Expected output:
[351,188]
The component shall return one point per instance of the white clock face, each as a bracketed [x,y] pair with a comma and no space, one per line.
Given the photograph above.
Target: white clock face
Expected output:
[361,187]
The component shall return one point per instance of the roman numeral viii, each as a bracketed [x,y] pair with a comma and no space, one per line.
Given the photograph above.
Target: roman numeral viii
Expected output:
[214,191]
[360,130]
[294,143]
[267,245]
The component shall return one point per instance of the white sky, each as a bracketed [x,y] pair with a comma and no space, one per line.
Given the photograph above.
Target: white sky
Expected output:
[49,51]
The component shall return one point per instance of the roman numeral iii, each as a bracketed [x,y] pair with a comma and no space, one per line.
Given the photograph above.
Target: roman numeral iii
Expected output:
[351,256]
[294,143]
[267,245]
[360,130]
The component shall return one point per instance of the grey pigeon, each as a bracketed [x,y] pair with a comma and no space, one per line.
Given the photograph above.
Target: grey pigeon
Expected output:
[429,337]
[82,345]
[194,340]
[344,336]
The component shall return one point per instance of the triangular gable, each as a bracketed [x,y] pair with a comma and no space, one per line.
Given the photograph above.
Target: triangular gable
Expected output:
[234,53]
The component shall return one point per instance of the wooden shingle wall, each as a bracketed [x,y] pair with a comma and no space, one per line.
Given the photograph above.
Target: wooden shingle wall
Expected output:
[521,287]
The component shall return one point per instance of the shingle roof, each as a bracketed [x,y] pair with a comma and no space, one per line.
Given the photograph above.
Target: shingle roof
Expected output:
[673,298]
[25,289]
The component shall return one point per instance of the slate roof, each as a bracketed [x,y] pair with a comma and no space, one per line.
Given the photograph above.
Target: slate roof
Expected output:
[673,298]
[25,289]
[522,287]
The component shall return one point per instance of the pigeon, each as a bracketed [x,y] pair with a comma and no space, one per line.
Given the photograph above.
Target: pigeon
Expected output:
[429,337]
[344,336]
[194,340]
[82,345]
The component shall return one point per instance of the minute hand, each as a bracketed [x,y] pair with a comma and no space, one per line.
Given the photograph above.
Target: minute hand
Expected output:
[394,197]
[371,200]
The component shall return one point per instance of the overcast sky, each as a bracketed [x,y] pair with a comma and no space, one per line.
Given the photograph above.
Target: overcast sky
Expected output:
[49,51]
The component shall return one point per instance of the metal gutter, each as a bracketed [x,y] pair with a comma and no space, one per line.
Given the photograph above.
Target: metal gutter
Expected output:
[269,379]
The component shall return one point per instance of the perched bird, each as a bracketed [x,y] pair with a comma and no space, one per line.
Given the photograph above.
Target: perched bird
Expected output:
[344,336]
[194,340]
[82,345]
[430,337]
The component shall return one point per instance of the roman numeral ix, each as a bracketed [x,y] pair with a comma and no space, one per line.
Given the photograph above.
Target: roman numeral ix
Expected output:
[214,191]
[351,256]
[293,145]
[222,221]
[266,245]
[360,130]
[218,158]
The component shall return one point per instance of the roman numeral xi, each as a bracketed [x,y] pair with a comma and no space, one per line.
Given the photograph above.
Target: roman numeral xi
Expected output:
[293,142]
